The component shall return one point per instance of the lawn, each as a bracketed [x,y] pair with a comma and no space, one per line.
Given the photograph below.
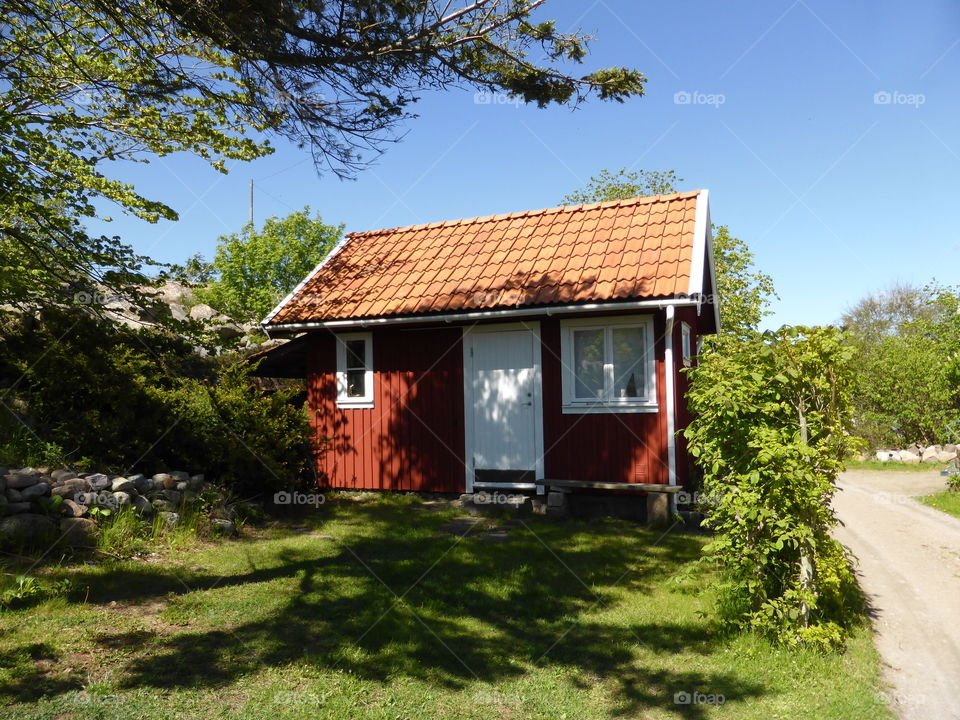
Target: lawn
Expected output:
[400,608]
[947,501]
[894,466]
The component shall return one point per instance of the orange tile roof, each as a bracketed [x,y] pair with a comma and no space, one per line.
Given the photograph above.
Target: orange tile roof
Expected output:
[619,250]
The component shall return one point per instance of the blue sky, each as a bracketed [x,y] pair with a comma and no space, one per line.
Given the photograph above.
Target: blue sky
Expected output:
[827,133]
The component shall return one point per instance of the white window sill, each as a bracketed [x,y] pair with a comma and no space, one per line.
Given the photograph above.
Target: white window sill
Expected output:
[355,404]
[608,408]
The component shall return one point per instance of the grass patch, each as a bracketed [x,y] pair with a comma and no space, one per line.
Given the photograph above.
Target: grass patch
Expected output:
[377,608]
[894,466]
[947,501]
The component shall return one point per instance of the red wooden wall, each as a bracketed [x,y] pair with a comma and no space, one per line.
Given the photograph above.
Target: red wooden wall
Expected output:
[601,447]
[412,439]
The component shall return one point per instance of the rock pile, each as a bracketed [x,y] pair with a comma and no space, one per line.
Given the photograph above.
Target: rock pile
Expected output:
[37,502]
[916,454]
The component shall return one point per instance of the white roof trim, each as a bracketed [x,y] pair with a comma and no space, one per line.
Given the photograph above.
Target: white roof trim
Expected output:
[701,228]
[336,248]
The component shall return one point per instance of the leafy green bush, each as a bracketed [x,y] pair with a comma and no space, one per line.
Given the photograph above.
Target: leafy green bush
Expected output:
[772,414]
[124,400]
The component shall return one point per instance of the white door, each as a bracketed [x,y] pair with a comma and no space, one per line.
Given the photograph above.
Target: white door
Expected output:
[504,389]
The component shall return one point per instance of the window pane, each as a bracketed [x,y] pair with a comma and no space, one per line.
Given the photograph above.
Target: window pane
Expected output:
[588,363]
[356,354]
[356,383]
[628,367]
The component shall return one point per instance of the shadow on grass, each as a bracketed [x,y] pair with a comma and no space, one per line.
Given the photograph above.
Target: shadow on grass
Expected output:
[397,596]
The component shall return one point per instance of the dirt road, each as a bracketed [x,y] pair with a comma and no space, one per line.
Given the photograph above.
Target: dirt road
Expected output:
[910,568]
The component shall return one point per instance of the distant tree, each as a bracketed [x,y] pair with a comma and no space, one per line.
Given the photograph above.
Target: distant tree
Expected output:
[907,372]
[744,291]
[623,184]
[254,269]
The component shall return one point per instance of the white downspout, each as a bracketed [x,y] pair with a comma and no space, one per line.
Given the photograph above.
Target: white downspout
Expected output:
[671,423]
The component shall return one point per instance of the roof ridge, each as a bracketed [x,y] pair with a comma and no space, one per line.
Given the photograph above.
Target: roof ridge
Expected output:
[583,207]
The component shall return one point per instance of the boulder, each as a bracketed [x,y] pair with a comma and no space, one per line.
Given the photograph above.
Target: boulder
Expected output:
[180,475]
[141,483]
[163,480]
[63,475]
[884,455]
[26,530]
[122,499]
[946,457]
[19,479]
[14,495]
[3,483]
[122,484]
[174,496]
[178,312]
[202,312]
[99,481]
[78,532]
[909,458]
[141,505]
[78,484]
[162,506]
[35,491]
[929,454]
[170,519]
[14,508]
[224,527]
[228,331]
[72,509]
[195,482]
[950,447]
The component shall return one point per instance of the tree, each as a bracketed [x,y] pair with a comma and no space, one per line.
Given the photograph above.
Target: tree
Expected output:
[907,345]
[87,84]
[253,270]
[744,292]
[773,414]
[624,184]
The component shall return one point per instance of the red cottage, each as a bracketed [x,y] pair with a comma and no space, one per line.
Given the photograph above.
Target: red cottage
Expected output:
[512,351]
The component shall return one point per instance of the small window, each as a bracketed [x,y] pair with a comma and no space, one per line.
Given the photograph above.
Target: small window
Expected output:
[355,370]
[608,365]
[685,344]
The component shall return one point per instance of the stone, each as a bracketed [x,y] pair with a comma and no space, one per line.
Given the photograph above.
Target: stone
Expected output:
[224,527]
[178,312]
[142,505]
[72,509]
[35,491]
[63,475]
[122,499]
[946,457]
[78,484]
[179,475]
[122,484]
[98,481]
[3,483]
[228,331]
[883,455]
[87,498]
[951,448]
[909,458]
[202,312]
[161,505]
[14,495]
[196,482]
[26,530]
[19,480]
[170,519]
[174,496]
[658,509]
[17,507]
[163,480]
[929,455]
[64,491]
[141,483]
[78,532]
[189,496]
[181,486]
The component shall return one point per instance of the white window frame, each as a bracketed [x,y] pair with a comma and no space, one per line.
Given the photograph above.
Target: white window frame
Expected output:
[343,400]
[574,405]
[686,346]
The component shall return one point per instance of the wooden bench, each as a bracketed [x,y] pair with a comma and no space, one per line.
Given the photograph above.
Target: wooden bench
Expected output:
[591,485]
[660,504]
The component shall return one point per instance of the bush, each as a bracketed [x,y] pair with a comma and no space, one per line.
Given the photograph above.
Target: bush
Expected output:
[92,394]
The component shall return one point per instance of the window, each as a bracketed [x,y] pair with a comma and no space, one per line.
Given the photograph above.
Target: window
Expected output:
[685,344]
[355,370]
[608,365]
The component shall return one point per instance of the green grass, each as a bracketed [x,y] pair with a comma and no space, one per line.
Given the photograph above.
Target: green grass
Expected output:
[375,608]
[894,466]
[947,501]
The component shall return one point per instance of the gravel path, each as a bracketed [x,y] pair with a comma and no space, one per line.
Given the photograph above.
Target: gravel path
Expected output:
[910,568]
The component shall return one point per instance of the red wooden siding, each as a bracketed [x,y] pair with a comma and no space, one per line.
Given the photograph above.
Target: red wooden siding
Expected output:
[601,447]
[412,439]
[689,316]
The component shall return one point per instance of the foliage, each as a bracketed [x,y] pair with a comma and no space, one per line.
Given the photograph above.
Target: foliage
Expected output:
[253,270]
[743,291]
[771,432]
[142,400]
[624,184]
[907,374]
[22,589]
[85,85]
